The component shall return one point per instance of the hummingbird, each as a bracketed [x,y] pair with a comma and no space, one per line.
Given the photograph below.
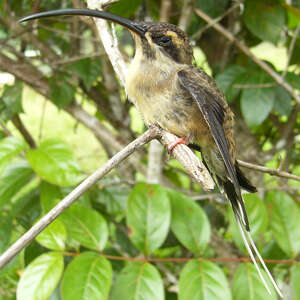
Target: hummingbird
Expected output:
[182,99]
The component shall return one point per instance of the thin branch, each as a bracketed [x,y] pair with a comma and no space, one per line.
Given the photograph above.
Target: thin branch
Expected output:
[187,259]
[165,8]
[26,238]
[24,132]
[254,86]
[271,171]
[198,34]
[247,51]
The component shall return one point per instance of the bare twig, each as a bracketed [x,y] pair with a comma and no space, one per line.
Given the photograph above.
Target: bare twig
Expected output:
[198,34]
[24,132]
[186,13]
[165,10]
[254,86]
[247,51]
[271,171]
[291,50]
[24,240]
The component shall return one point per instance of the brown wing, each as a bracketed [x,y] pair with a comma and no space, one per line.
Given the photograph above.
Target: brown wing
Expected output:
[212,107]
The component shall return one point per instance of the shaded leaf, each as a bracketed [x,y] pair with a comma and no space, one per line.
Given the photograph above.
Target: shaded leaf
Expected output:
[284,221]
[14,177]
[12,97]
[61,92]
[226,79]
[87,69]
[258,219]
[5,231]
[213,7]
[40,278]
[53,161]
[49,194]
[86,226]
[265,19]
[257,103]
[283,101]
[10,147]
[148,216]
[247,284]
[53,236]
[203,280]
[138,281]
[87,277]
[189,223]
[125,8]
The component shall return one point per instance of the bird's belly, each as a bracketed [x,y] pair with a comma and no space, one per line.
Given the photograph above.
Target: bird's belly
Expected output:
[175,115]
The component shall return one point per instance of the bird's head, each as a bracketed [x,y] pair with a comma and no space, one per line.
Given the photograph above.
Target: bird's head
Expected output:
[154,40]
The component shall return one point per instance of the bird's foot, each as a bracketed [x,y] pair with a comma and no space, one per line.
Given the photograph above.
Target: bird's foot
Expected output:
[179,141]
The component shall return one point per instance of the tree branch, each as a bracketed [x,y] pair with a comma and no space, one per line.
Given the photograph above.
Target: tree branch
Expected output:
[26,238]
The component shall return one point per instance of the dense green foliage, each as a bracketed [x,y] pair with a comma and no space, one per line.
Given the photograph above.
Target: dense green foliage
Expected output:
[116,241]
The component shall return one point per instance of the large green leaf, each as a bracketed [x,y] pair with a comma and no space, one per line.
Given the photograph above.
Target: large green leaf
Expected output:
[257,215]
[10,147]
[40,277]
[203,280]
[265,19]
[213,7]
[54,236]
[148,216]
[61,91]
[88,69]
[257,102]
[189,223]
[295,279]
[86,226]
[87,277]
[138,281]
[53,161]
[13,179]
[284,221]
[247,284]
[125,8]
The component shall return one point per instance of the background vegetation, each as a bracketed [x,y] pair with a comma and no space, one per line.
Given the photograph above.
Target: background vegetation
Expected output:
[63,113]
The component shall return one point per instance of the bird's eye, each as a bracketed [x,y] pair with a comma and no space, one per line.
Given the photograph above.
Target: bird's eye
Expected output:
[164,41]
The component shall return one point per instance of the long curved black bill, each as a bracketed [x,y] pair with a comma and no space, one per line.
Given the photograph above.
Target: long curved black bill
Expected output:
[133,26]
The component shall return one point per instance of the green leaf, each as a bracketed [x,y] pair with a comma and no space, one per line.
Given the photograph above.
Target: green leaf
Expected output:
[257,215]
[189,223]
[40,278]
[247,284]
[10,147]
[87,277]
[138,281]
[125,8]
[86,226]
[225,81]
[5,230]
[257,103]
[14,177]
[265,19]
[61,92]
[53,236]
[213,7]
[293,79]
[203,280]
[49,194]
[87,69]
[53,161]
[148,216]
[12,97]
[284,221]
[295,279]
[283,101]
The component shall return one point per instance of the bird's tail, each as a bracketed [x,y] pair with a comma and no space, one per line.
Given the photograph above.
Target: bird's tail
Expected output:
[241,217]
